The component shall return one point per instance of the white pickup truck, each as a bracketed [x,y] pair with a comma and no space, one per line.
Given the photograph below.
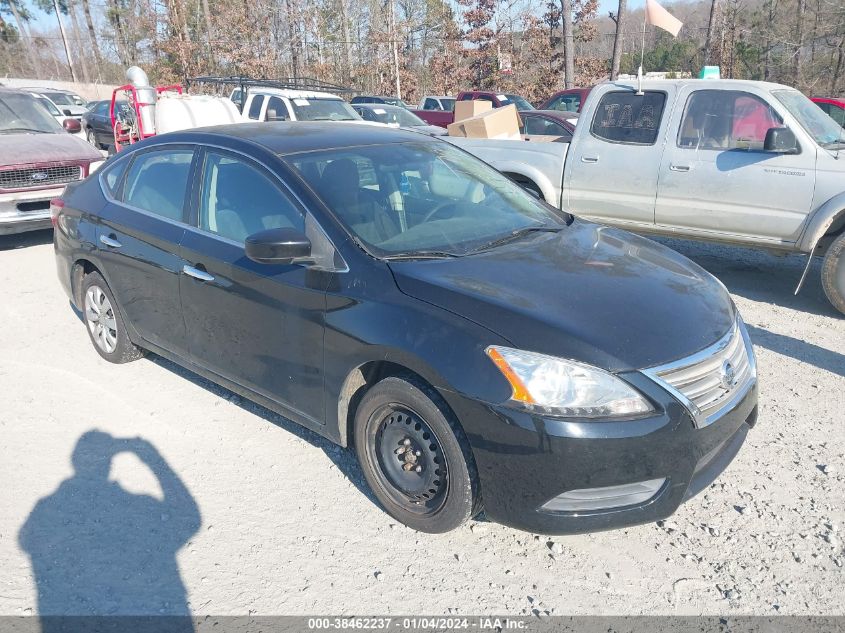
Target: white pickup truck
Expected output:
[740,162]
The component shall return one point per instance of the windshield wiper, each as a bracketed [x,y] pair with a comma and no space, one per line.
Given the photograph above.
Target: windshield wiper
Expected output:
[23,129]
[420,255]
[513,235]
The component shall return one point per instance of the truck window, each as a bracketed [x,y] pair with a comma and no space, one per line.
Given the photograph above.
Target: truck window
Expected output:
[625,117]
[276,110]
[431,104]
[255,107]
[726,119]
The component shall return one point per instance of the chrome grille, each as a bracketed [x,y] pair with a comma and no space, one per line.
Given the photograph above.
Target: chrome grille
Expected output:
[712,381]
[39,177]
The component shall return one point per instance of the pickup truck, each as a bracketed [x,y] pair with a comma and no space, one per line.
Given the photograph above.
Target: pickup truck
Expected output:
[37,159]
[746,163]
[498,99]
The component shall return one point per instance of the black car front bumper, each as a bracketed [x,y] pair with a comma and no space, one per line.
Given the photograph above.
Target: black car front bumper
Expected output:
[526,460]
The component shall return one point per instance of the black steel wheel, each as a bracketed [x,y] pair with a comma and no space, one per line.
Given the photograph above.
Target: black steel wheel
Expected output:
[415,456]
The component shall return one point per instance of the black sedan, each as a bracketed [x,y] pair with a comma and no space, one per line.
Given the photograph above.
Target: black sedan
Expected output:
[479,348]
[96,123]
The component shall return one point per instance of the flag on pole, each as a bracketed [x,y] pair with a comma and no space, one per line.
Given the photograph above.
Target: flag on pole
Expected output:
[661,18]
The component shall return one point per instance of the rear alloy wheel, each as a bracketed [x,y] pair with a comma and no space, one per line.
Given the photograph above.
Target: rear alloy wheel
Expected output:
[415,456]
[104,322]
[92,138]
[833,273]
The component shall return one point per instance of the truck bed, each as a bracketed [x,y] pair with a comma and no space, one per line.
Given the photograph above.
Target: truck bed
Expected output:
[529,162]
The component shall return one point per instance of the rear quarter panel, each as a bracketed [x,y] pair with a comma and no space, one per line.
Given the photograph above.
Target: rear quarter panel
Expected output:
[542,163]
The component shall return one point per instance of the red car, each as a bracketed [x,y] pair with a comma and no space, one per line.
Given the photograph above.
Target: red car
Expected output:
[834,107]
[571,100]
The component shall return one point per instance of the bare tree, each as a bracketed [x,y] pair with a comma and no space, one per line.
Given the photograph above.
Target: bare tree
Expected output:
[799,44]
[711,22]
[618,39]
[22,16]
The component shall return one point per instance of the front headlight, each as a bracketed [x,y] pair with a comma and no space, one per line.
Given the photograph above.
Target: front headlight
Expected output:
[564,387]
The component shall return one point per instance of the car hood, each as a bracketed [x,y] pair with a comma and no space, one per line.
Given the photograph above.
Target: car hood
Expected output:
[25,149]
[589,293]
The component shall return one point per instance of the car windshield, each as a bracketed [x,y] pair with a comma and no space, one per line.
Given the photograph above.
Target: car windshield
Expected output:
[824,130]
[323,110]
[448,104]
[421,199]
[60,98]
[20,113]
[396,115]
[519,102]
[395,102]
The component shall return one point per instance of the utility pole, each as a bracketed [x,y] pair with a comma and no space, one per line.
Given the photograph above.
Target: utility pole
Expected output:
[393,37]
[568,44]
[64,41]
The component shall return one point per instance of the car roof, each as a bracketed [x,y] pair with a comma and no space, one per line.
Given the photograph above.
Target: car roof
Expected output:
[380,106]
[14,91]
[293,137]
[291,94]
[725,84]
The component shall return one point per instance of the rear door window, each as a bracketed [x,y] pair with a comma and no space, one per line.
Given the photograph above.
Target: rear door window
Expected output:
[431,104]
[255,107]
[157,181]
[628,118]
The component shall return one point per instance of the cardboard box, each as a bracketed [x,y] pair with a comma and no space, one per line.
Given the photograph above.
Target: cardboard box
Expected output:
[469,109]
[500,123]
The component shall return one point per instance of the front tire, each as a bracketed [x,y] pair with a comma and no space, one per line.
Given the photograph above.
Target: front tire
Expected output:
[415,456]
[833,273]
[104,322]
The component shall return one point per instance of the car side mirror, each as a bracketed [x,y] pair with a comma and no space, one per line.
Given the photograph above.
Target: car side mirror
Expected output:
[780,140]
[278,246]
[67,112]
[72,125]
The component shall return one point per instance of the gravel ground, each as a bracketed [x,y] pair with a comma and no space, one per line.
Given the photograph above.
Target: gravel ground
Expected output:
[249,514]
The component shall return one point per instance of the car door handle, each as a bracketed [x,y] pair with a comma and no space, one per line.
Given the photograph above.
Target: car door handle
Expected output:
[680,167]
[589,159]
[110,242]
[196,273]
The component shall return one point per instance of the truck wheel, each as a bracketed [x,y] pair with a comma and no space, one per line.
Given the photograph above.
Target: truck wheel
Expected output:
[415,456]
[833,273]
[104,322]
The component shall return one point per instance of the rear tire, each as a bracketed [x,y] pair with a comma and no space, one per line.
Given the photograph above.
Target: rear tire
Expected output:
[104,321]
[415,456]
[833,273]
[92,138]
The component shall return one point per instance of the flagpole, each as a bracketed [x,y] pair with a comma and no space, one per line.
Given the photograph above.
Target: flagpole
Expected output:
[642,56]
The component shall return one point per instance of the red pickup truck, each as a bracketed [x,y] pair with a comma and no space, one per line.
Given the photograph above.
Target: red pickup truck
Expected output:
[443,118]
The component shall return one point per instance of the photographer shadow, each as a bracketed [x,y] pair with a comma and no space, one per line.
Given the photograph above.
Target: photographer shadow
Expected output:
[98,550]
